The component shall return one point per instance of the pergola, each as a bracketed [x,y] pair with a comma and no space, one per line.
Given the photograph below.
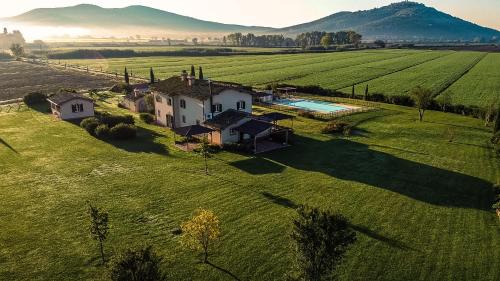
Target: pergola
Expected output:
[274,117]
[256,127]
[190,132]
[287,90]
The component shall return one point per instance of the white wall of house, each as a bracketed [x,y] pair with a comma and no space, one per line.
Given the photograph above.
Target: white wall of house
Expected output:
[192,114]
[228,99]
[65,110]
[227,137]
[162,108]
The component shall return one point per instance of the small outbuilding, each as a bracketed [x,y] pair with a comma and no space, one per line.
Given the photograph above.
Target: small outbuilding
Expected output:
[68,106]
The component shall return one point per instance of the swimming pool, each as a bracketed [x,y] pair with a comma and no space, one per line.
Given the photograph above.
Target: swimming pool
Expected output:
[314,105]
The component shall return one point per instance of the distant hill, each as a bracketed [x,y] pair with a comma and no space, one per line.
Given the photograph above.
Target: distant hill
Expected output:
[398,21]
[138,17]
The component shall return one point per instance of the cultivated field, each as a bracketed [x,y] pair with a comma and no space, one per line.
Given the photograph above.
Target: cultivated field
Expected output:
[18,79]
[419,203]
[390,72]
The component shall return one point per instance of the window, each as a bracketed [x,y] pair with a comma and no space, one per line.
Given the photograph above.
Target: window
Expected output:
[169,101]
[240,105]
[183,104]
[75,108]
[232,132]
[217,107]
[183,119]
[159,113]
[158,98]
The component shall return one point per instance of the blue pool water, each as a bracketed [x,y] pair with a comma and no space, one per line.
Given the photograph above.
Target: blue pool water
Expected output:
[313,105]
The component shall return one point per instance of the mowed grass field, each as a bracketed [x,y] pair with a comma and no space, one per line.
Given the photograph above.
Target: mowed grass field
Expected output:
[472,76]
[420,204]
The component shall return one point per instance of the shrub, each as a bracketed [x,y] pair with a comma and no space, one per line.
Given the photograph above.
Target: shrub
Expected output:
[143,264]
[306,114]
[102,131]
[147,117]
[121,88]
[34,98]
[113,120]
[90,124]
[236,147]
[123,131]
[336,126]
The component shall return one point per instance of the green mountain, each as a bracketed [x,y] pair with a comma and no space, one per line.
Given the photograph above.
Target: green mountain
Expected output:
[95,17]
[398,21]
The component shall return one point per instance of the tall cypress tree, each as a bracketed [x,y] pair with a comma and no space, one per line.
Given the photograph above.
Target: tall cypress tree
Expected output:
[200,73]
[127,79]
[352,94]
[152,76]
[496,127]
[193,74]
[366,92]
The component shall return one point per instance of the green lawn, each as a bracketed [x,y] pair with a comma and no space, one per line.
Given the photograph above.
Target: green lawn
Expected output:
[420,203]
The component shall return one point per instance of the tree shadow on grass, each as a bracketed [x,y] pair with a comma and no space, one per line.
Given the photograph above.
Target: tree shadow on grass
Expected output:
[145,142]
[223,270]
[258,166]
[377,236]
[276,199]
[8,146]
[352,161]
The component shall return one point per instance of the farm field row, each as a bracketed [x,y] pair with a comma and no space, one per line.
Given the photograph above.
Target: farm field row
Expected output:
[480,85]
[390,72]
[436,75]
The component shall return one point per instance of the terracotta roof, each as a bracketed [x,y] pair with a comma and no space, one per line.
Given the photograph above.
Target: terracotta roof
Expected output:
[227,118]
[62,98]
[253,127]
[200,90]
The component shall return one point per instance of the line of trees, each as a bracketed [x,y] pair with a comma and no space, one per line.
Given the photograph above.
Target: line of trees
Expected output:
[304,40]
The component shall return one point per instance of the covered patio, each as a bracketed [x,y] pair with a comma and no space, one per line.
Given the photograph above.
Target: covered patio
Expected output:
[263,136]
[286,92]
[189,133]
[274,117]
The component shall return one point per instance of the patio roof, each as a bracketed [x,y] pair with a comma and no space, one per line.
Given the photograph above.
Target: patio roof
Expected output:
[275,116]
[253,127]
[194,130]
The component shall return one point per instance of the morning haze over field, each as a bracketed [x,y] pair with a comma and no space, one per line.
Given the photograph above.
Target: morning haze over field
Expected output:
[250,140]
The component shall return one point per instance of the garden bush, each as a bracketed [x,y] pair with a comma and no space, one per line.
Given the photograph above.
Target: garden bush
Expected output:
[34,98]
[113,120]
[102,131]
[123,131]
[336,126]
[90,124]
[147,117]
[306,114]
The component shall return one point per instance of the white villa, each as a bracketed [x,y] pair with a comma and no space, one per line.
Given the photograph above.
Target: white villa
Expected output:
[67,106]
[186,104]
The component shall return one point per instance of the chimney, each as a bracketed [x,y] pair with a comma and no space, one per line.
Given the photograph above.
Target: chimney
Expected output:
[191,80]
[184,75]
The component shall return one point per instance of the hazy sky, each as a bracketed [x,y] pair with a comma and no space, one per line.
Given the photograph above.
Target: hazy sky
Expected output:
[274,13]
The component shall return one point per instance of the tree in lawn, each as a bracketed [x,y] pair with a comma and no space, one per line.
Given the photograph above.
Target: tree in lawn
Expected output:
[205,152]
[127,78]
[326,40]
[422,98]
[200,73]
[201,232]
[151,76]
[98,227]
[193,73]
[321,241]
[17,50]
[143,264]
[445,100]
